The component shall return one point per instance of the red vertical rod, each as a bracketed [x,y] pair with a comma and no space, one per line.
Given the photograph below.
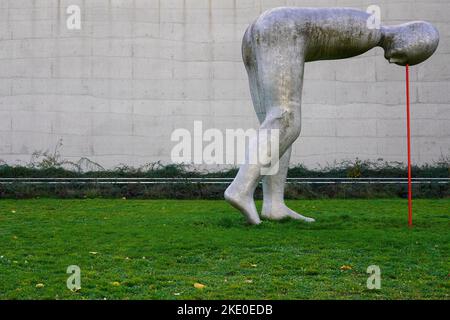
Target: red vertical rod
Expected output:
[408,133]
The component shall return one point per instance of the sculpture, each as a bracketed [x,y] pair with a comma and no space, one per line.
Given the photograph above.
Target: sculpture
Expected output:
[274,49]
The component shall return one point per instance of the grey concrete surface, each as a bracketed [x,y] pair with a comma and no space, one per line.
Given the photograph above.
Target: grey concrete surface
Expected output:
[138,69]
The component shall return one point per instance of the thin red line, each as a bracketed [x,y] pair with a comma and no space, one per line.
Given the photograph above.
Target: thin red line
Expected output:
[408,129]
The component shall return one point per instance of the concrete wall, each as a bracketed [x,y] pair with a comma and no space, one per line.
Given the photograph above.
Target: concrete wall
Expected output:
[138,69]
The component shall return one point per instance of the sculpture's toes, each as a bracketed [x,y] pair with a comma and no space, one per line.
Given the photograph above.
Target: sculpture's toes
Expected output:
[282,212]
[296,216]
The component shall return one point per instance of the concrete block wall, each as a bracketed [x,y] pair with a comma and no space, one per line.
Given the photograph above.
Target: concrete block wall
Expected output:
[138,69]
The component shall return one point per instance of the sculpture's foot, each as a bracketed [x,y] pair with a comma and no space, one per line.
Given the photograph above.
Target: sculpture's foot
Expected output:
[281,211]
[243,203]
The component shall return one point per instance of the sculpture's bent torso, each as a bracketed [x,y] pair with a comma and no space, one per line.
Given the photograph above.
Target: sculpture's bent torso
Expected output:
[325,34]
[275,48]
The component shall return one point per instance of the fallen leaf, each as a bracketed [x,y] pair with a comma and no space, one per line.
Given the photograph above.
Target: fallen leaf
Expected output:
[254,265]
[40,285]
[199,285]
[345,267]
[115,283]
[93,252]
[248,281]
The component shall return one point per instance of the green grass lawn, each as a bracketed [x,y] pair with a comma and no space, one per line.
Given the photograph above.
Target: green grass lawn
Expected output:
[148,249]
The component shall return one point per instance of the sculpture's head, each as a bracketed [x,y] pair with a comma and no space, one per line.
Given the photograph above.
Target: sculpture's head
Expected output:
[410,43]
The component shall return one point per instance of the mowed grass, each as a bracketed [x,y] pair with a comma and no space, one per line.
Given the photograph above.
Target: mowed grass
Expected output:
[158,249]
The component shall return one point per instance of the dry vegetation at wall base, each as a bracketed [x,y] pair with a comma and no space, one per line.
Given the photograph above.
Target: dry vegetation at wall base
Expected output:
[54,168]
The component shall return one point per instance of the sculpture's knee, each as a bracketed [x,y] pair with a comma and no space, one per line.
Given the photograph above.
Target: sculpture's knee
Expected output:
[286,120]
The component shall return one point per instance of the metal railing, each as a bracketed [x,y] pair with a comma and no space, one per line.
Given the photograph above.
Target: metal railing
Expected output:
[204,180]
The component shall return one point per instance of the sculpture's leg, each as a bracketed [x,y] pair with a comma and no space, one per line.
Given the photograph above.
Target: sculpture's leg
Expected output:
[279,75]
[274,207]
[240,193]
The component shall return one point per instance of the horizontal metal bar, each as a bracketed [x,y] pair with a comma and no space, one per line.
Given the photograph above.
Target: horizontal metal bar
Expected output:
[209,178]
[210,182]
